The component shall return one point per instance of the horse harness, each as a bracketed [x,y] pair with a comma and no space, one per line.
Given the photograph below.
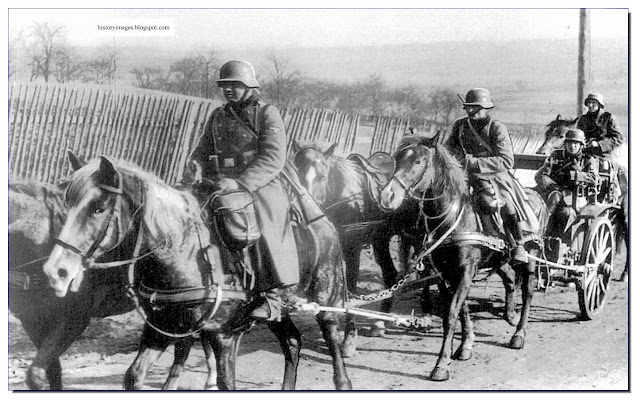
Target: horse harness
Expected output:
[152,296]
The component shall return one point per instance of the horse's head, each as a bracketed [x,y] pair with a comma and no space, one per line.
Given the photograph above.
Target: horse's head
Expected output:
[100,210]
[555,134]
[313,170]
[413,159]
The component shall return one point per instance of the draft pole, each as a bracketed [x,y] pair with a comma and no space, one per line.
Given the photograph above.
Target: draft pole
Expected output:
[584,58]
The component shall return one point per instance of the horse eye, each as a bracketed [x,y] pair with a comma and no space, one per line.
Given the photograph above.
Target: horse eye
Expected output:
[98,211]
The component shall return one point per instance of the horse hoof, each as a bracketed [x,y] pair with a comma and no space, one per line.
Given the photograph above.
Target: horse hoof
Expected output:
[463,354]
[439,374]
[517,342]
[377,330]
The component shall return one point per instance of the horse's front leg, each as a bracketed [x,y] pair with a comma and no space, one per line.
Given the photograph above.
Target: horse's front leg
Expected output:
[152,345]
[441,371]
[181,352]
[528,284]
[45,368]
[350,342]
[291,342]
[508,276]
[328,322]
[383,259]
[351,251]
[224,347]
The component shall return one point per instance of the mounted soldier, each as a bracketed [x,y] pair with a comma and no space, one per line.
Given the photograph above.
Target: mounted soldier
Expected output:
[569,170]
[243,149]
[483,146]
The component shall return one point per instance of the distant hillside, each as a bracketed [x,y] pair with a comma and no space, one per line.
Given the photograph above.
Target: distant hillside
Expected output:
[544,63]
[531,81]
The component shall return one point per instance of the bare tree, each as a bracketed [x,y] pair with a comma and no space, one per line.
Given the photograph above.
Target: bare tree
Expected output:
[374,91]
[46,41]
[67,65]
[149,78]
[284,84]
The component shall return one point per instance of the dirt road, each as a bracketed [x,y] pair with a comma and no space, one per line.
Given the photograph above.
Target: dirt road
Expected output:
[561,352]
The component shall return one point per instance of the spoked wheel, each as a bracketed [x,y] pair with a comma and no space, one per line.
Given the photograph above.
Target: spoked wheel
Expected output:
[598,267]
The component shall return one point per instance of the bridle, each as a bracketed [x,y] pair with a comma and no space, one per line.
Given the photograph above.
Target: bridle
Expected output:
[408,189]
[87,256]
[213,292]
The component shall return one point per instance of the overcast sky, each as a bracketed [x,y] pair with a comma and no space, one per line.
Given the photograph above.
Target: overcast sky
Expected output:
[283,28]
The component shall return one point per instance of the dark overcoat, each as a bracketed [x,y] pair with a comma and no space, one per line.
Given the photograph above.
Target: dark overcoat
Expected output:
[556,172]
[251,143]
[488,156]
[602,127]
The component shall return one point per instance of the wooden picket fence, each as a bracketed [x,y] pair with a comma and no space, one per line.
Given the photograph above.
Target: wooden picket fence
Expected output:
[153,130]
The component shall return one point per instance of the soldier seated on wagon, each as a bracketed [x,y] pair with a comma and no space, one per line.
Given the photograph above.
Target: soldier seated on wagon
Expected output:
[568,180]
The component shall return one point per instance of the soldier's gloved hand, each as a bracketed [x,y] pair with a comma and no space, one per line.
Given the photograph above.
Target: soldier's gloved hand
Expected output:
[226,185]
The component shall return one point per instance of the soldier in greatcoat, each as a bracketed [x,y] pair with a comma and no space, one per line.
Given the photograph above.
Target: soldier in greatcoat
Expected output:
[568,168]
[245,141]
[603,134]
[483,146]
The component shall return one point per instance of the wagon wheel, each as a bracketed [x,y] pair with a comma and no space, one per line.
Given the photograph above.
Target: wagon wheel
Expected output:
[598,257]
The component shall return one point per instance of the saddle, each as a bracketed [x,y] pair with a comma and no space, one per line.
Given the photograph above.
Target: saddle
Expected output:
[378,169]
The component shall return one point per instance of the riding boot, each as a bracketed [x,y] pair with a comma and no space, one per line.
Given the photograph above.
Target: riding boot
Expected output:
[512,225]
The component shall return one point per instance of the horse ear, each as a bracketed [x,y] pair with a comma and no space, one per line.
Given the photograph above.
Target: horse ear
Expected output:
[76,163]
[331,150]
[295,146]
[559,117]
[108,174]
[436,138]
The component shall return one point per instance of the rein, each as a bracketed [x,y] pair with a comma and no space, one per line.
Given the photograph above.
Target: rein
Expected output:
[88,255]
[178,296]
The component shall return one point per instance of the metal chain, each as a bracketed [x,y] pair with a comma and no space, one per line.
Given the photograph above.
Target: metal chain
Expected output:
[386,293]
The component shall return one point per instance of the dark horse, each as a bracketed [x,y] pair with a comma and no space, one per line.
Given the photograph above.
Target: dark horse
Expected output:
[36,216]
[180,265]
[457,244]
[347,190]
[554,138]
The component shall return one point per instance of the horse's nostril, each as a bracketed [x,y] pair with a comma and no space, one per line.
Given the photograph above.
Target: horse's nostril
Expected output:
[62,273]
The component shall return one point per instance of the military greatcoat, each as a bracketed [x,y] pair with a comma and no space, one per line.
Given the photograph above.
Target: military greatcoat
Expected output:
[562,170]
[251,148]
[488,156]
[602,127]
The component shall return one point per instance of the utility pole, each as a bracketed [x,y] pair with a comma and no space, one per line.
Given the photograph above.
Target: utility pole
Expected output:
[584,58]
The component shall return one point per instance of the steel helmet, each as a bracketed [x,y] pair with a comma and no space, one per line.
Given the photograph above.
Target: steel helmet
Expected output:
[575,134]
[240,71]
[596,97]
[478,97]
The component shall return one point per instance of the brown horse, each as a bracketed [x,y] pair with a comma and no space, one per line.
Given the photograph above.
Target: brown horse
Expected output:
[348,195]
[184,271]
[554,139]
[457,244]
[36,216]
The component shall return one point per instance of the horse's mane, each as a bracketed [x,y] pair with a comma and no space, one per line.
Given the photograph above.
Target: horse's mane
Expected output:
[449,174]
[560,122]
[167,211]
[343,175]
